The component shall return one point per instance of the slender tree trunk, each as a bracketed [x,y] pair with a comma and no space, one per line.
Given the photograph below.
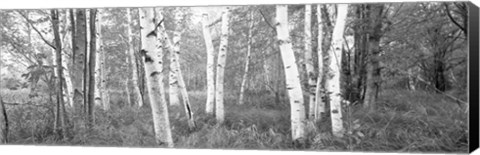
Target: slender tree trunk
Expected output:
[58,50]
[136,88]
[181,83]
[373,42]
[91,68]
[210,66]
[105,93]
[173,89]
[68,91]
[309,61]
[411,83]
[333,82]
[127,90]
[98,98]
[68,80]
[295,95]
[3,123]
[152,55]
[320,104]
[86,70]
[222,57]
[247,60]
[79,42]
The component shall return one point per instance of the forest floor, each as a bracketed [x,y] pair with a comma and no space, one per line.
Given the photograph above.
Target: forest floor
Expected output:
[405,121]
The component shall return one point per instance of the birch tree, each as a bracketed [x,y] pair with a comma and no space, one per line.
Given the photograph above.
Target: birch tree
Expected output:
[411,82]
[79,50]
[153,69]
[3,123]
[319,103]
[181,83]
[210,65]
[173,97]
[98,58]
[309,61]
[136,88]
[91,67]
[222,56]
[58,51]
[297,109]
[247,60]
[333,72]
[373,72]
[68,80]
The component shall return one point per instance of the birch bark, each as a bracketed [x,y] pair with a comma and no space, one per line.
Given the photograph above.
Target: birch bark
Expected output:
[333,80]
[152,56]
[297,109]
[222,56]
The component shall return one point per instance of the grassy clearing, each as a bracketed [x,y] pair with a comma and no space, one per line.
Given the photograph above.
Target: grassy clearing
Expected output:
[405,122]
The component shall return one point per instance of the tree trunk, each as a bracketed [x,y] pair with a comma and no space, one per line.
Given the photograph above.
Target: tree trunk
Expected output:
[333,81]
[373,41]
[181,83]
[173,97]
[411,82]
[68,91]
[210,66]
[136,88]
[309,61]
[320,104]
[247,60]
[295,95]
[98,98]
[91,68]
[105,92]
[79,42]
[86,71]
[3,123]
[152,56]
[58,50]
[222,56]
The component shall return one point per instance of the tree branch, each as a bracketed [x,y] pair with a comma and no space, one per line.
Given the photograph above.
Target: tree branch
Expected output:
[36,30]
[268,23]
[215,22]
[452,19]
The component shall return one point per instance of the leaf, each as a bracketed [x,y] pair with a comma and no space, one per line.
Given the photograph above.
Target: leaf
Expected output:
[360,134]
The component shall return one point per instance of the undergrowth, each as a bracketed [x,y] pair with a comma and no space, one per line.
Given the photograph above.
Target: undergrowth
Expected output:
[404,121]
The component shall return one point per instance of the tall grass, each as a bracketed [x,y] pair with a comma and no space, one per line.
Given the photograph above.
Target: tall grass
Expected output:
[404,121]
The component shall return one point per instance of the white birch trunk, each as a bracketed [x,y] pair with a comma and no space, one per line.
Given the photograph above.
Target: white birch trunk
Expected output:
[247,60]
[131,52]
[173,87]
[98,64]
[66,70]
[309,62]
[152,55]
[319,105]
[210,66]
[333,81]
[222,56]
[175,52]
[173,80]
[411,83]
[297,108]
[181,83]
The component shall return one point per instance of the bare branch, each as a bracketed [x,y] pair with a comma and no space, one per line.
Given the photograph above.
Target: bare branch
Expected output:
[452,19]
[36,30]
[215,22]
[268,23]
